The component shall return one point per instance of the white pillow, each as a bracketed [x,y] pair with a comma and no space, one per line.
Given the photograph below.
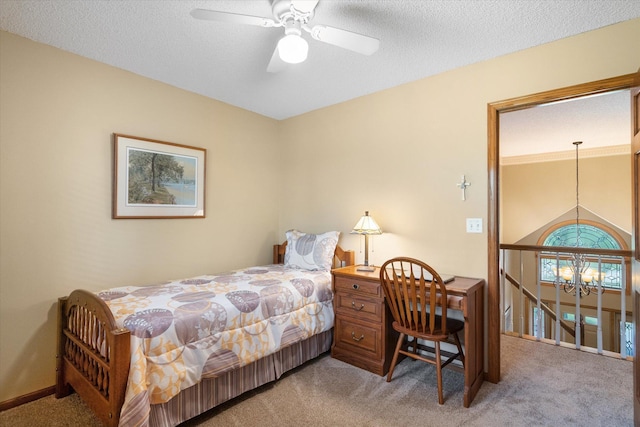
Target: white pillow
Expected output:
[310,251]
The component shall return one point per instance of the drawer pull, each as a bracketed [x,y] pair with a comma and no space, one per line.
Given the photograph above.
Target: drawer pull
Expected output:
[353,335]
[355,286]
[353,305]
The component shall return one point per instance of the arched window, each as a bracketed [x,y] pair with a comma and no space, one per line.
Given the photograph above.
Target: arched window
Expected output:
[592,235]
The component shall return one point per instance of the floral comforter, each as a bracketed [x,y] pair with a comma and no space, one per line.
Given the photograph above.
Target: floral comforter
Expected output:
[186,330]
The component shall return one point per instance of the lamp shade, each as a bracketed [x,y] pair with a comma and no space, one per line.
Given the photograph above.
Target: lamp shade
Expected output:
[293,49]
[366,225]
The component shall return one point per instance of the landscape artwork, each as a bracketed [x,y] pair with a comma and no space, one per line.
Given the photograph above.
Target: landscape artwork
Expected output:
[161,179]
[155,179]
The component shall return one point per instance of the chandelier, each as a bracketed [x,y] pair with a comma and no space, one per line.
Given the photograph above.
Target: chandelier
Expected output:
[585,282]
[578,276]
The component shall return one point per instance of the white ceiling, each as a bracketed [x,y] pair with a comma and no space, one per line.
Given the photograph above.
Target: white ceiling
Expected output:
[227,62]
[602,123]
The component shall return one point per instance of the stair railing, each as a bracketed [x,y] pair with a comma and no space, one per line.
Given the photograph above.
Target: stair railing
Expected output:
[577,332]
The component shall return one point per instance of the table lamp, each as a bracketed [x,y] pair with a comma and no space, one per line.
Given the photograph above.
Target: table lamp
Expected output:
[367,226]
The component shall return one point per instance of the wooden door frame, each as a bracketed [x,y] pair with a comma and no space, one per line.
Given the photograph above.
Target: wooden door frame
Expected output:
[493,222]
[635,237]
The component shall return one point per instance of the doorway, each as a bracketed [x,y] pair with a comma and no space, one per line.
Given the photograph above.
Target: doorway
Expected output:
[493,217]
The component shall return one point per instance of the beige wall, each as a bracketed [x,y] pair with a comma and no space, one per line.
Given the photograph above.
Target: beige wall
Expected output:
[58,113]
[398,153]
[536,193]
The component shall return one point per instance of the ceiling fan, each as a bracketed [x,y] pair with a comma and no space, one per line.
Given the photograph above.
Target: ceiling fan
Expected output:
[294,16]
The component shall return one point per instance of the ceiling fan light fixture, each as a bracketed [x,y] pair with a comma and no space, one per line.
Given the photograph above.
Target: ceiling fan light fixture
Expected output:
[294,17]
[293,49]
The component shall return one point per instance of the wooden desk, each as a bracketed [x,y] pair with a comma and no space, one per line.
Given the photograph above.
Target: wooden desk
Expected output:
[467,295]
[375,339]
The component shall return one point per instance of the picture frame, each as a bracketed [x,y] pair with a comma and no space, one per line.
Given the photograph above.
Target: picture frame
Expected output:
[157,179]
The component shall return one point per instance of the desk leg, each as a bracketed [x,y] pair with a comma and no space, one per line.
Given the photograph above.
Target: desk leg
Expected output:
[474,345]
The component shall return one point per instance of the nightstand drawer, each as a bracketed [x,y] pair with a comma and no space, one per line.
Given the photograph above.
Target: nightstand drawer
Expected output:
[358,337]
[357,286]
[358,306]
[362,334]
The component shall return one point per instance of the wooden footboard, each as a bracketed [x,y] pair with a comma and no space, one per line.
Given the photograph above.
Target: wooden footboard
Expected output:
[93,355]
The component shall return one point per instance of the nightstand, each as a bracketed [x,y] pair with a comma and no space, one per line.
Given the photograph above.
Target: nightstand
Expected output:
[362,335]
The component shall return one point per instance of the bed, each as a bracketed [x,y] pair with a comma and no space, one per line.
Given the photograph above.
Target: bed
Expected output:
[162,354]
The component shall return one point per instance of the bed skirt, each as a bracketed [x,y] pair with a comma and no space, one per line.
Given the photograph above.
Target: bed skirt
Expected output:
[211,392]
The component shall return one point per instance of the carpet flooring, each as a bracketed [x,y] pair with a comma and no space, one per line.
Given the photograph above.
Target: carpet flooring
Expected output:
[541,385]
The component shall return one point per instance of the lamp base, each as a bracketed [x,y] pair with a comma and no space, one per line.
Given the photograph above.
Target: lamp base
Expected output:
[368,268]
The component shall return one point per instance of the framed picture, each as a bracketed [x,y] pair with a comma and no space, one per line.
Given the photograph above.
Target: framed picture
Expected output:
[156,179]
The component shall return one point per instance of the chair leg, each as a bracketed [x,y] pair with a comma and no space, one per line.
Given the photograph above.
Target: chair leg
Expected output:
[439,372]
[457,340]
[395,357]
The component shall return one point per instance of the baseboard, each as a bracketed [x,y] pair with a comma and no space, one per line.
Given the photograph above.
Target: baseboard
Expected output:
[26,398]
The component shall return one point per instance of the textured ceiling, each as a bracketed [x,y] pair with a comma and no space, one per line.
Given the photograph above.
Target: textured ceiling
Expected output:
[598,121]
[227,62]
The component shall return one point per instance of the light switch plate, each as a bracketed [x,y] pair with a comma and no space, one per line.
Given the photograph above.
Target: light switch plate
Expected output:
[474,225]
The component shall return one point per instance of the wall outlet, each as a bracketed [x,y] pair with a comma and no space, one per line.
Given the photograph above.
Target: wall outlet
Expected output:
[474,225]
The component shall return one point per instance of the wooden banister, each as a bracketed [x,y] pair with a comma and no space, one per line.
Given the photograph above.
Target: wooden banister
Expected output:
[568,250]
[544,306]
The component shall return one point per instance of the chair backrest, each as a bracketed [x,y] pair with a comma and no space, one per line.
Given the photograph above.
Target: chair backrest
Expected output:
[410,286]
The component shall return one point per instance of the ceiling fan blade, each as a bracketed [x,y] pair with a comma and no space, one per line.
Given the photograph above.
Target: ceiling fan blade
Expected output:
[346,39]
[304,6]
[276,64]
[234,18]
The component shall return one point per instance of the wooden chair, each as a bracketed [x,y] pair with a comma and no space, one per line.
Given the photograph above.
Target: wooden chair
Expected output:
[413,292]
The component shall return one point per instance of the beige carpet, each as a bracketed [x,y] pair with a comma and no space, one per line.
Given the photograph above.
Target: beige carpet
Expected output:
[542,385]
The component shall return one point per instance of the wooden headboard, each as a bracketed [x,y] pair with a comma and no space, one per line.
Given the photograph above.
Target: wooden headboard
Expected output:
[341,257]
